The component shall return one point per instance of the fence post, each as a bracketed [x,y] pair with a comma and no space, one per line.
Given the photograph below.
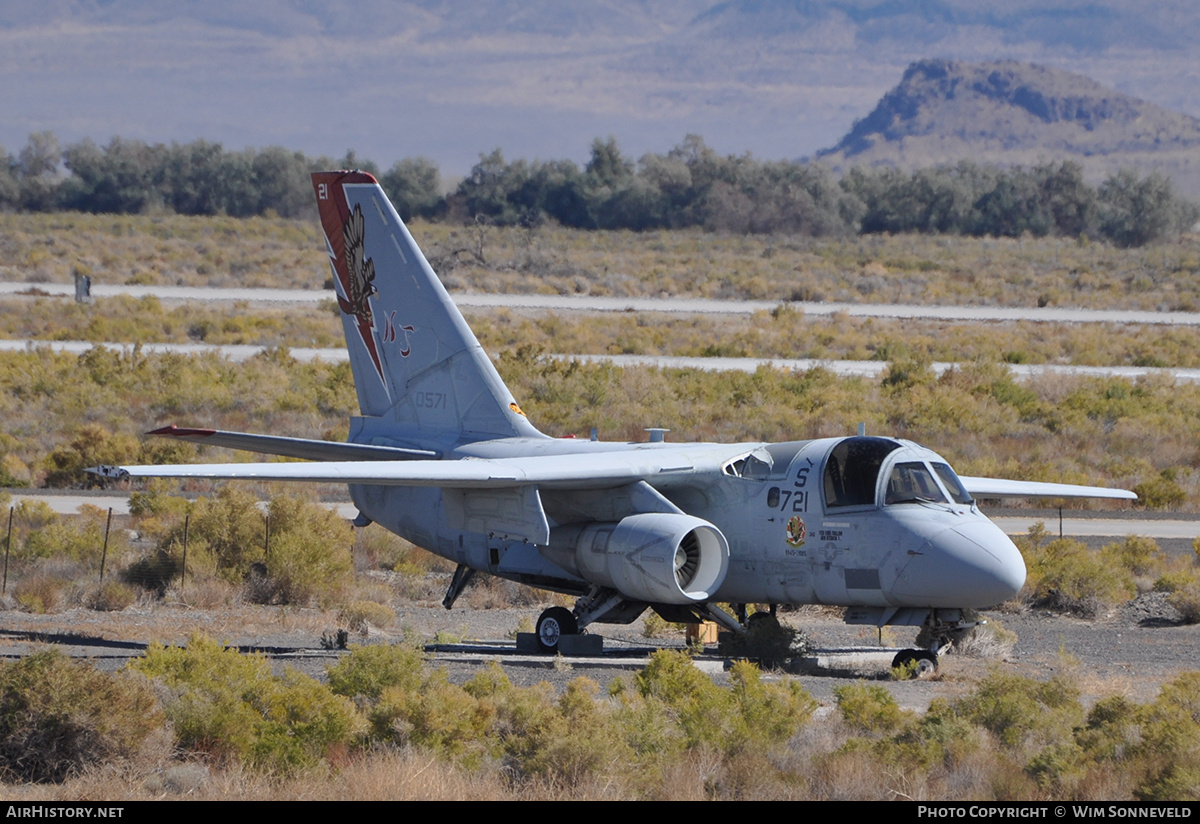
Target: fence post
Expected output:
[183,571]
[104,552]
[7,549]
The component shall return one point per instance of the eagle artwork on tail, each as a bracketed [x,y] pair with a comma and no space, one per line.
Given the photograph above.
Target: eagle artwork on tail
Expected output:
[361,281]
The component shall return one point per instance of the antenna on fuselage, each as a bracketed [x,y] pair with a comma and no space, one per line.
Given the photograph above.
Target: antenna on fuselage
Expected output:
[862,429]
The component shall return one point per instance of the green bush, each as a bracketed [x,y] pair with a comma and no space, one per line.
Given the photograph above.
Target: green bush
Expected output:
[769,714]
[1140,556]
[1186,601]
[408,704]
[91,445]
[31,514]
[309,555]
[230,707]
[579,738]
[368,670]
[1161,492]
[310,550]
[227,527]
[725,720]
[1058,767]
[58,717]
[154,571]
[156,511]
[79,540]
[440,717]
[1018,710]
[1064,575]
[1112,729]
[766,641]
[869,707]
[1169,746]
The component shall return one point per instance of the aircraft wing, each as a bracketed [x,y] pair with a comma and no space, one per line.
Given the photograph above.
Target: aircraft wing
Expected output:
[998,488]
[567,472]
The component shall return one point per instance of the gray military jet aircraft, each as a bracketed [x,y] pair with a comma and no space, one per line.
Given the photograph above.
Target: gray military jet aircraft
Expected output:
[443,455]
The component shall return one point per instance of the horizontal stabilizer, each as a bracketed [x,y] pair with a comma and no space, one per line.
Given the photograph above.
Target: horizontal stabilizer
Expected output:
[304,448]
[997,488]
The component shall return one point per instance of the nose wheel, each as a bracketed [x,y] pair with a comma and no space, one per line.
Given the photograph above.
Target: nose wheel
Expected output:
[927,662]
[552,625]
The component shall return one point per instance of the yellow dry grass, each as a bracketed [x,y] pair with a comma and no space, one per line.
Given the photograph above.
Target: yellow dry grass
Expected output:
[275,252]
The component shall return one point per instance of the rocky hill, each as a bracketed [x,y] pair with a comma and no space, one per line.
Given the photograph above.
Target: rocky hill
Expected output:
[1019,114]
[539,78]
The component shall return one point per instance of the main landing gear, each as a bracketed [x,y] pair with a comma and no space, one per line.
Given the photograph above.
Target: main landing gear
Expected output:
[552,625]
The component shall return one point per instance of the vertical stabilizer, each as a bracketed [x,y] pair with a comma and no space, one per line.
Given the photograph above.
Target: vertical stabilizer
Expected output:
[415,360]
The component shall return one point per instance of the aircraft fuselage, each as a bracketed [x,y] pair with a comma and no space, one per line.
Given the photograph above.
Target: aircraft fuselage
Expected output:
[800,530]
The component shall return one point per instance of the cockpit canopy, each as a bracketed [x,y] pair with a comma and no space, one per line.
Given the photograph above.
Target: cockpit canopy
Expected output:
[852,470]
[853,467]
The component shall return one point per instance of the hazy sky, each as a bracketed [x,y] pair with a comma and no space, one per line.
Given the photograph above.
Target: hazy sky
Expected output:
[781,79]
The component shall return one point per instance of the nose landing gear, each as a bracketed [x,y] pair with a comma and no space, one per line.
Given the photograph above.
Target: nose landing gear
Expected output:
[926,661]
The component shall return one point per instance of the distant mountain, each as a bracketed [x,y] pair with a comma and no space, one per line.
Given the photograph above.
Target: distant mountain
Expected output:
[1013,113]
[539,78]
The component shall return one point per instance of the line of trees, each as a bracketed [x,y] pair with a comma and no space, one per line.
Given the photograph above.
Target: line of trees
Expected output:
[690,185]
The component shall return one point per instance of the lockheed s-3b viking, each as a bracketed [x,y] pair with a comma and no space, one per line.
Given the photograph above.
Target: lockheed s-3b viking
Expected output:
[443,456]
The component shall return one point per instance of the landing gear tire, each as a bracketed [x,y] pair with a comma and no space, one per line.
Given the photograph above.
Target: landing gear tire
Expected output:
[552,625]
[927,662]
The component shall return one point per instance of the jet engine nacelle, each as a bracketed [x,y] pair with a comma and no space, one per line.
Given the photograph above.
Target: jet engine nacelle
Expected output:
[660,558]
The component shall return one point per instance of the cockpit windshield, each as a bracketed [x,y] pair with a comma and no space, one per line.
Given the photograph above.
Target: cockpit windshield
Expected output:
[952,483]
[912,482]
[852,470]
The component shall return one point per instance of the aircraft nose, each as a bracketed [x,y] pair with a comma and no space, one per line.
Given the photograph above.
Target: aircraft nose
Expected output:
[972,565]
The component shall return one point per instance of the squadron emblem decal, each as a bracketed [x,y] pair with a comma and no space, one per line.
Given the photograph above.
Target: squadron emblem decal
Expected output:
[360,271]
[797,532]
[355,273]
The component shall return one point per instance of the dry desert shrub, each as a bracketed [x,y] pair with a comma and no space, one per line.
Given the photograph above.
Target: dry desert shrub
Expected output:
[403,775]
[489,592]
[358,616]
[1186,601]
[845,775]
[111,596]
[42,592]
[58,717]
[206,593]
[987,640]
[377,549]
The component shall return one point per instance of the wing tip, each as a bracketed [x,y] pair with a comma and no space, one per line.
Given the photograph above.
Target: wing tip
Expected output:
[118,473]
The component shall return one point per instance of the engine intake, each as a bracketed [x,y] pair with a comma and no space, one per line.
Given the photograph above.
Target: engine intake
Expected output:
[661,558]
